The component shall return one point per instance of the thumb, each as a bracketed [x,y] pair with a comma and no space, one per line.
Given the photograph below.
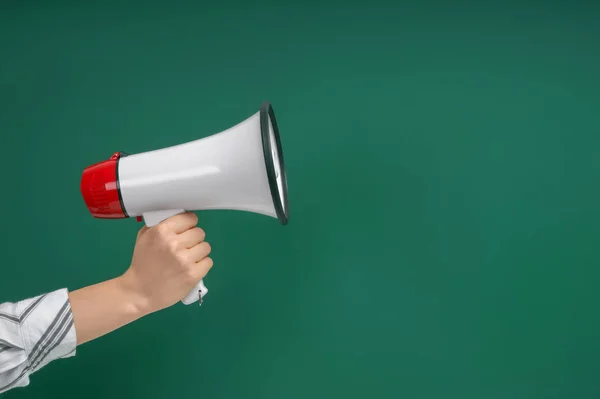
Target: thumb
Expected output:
[141,232]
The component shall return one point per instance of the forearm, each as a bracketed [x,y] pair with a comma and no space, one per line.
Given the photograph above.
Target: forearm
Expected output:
[36,331]
[104,307]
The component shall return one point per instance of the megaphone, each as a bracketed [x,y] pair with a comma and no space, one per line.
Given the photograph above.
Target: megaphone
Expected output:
[241,168]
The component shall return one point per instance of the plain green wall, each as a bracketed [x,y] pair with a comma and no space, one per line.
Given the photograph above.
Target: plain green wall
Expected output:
[443,163]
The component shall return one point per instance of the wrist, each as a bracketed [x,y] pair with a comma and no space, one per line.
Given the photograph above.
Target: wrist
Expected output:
[134,301]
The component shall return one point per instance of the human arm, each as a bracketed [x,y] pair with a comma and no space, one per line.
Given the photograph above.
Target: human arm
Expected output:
[168,261]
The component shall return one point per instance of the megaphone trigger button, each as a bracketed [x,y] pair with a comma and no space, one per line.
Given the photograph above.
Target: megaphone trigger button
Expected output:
[139,218]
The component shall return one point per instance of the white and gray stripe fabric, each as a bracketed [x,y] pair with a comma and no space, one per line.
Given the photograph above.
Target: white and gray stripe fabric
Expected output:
[33,333]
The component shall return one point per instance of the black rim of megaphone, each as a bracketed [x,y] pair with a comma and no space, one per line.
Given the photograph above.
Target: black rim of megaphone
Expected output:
[280,200]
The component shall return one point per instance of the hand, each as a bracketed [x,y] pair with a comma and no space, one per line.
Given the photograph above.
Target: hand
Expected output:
[168,261]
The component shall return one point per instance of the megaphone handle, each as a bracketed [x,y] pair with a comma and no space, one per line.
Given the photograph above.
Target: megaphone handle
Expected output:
[152,219]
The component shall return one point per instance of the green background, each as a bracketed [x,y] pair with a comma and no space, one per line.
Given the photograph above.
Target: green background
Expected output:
[443,163]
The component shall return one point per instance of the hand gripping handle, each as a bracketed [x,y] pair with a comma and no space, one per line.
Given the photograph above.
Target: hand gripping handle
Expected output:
[152,219]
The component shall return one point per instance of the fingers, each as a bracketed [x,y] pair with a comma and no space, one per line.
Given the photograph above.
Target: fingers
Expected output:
[191,237]
[180,223]
[198,252]
[202,268]
[198,260]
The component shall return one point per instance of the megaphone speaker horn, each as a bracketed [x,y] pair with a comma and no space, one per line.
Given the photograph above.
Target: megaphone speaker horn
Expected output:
[273,154]
[241,168]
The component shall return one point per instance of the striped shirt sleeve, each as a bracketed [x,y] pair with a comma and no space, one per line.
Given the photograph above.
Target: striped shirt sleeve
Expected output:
[33,333]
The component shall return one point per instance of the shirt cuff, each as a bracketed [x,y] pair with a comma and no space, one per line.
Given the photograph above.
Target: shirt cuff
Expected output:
[47,328]
[33,333]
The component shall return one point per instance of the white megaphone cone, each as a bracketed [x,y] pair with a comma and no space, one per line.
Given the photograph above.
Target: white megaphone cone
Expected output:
[240,168]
